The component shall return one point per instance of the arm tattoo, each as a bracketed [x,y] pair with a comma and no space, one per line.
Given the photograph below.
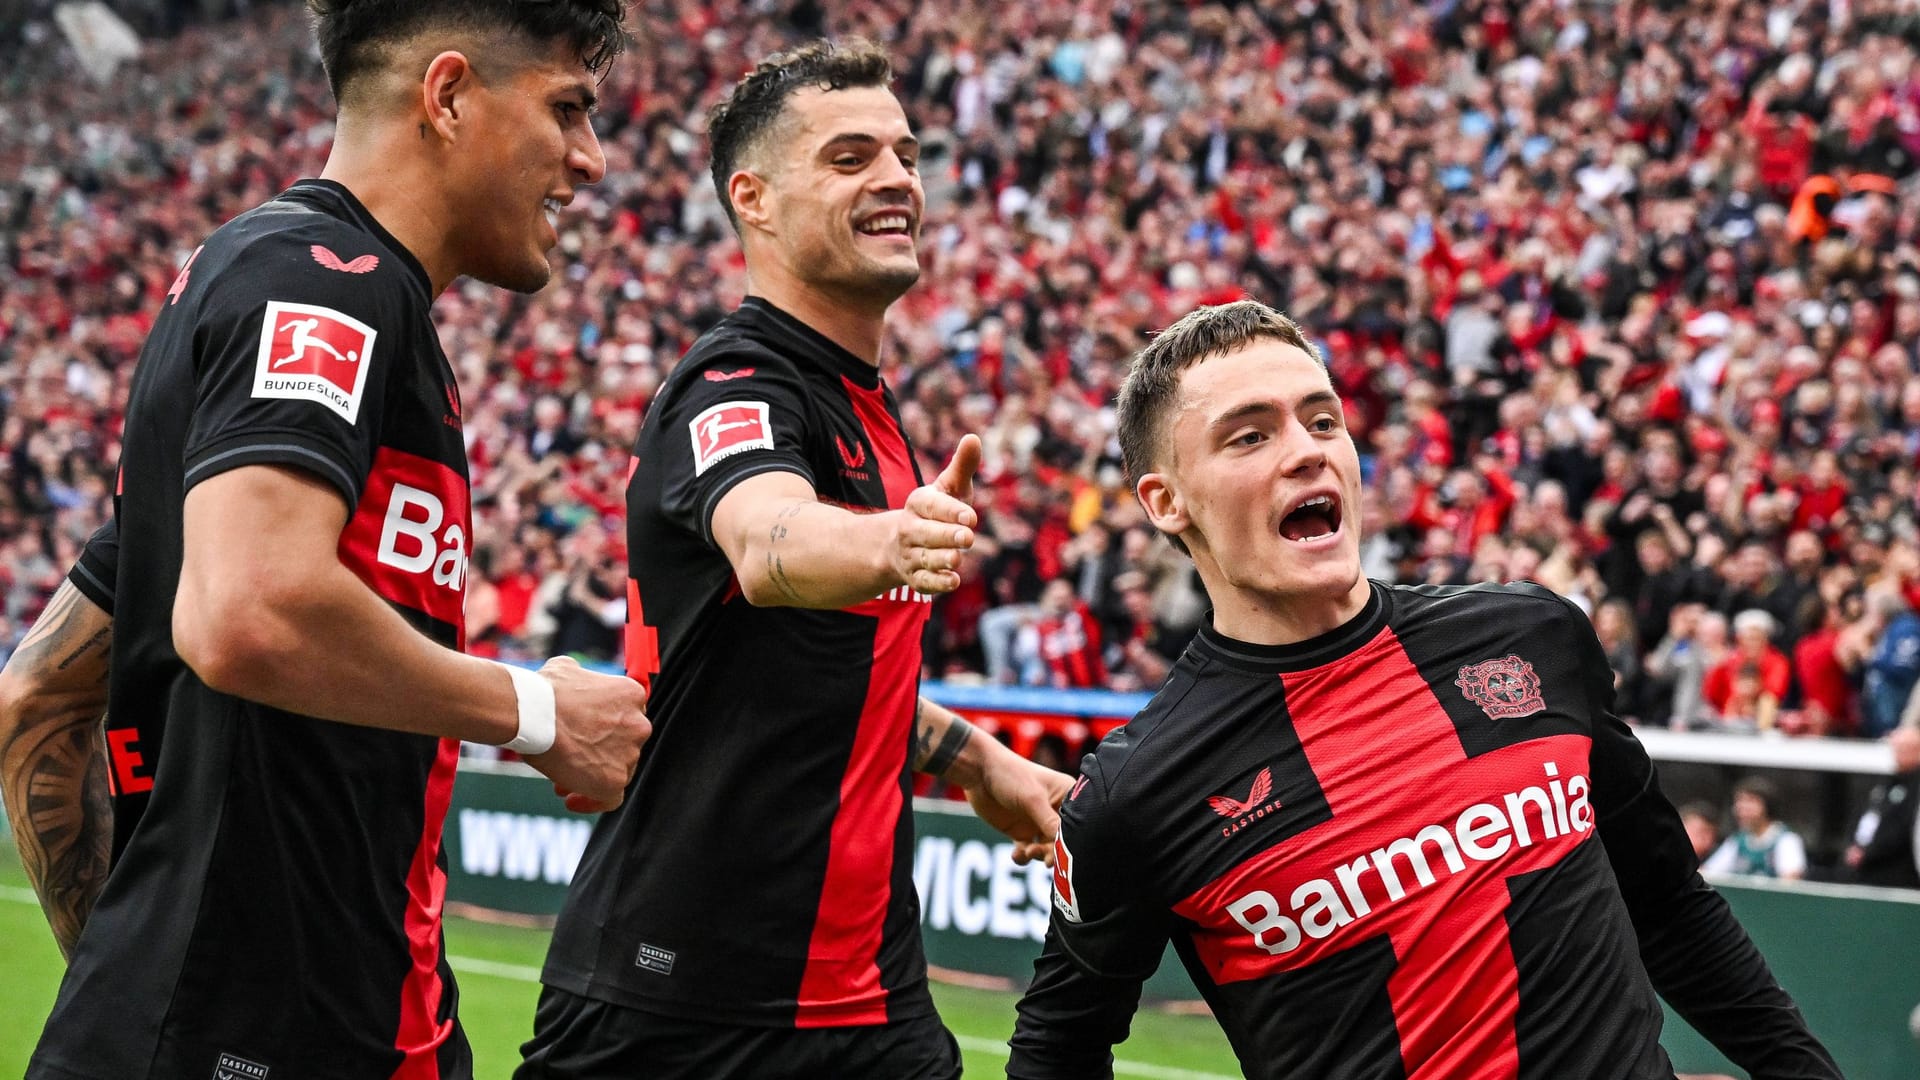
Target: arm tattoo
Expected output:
[777,573]
[54,766]
[776,568]
[936,759]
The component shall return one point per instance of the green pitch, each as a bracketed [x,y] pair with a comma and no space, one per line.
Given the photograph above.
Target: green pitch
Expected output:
[498,968]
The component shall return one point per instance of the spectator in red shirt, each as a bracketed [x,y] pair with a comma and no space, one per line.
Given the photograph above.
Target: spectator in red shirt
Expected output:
[1061,648]
[1748,686]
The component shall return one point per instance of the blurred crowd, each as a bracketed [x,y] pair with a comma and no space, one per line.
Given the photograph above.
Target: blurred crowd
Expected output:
[1622,297]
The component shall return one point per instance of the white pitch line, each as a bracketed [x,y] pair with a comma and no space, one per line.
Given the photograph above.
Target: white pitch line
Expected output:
[1121,1066]
[473,965]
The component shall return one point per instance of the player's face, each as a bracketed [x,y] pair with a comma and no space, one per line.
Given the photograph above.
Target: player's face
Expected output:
[536,149]
[847,199]
[1262,480]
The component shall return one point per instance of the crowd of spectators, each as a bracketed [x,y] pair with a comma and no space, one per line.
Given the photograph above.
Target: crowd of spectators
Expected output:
[1622,297]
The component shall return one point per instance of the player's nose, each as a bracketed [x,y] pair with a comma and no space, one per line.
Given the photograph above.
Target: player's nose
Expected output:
[585,158]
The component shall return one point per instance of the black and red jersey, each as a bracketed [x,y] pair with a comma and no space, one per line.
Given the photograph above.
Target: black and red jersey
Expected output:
[276,908]
[1419,845]
[760,871]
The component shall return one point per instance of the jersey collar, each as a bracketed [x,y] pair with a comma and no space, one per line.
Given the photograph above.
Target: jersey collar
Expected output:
[814,346]
[1300,655]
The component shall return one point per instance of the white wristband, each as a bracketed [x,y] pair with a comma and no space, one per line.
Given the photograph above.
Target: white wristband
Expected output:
[535,696]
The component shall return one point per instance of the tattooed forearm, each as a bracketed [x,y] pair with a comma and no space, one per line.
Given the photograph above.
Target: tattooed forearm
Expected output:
[936,746]
[53,767]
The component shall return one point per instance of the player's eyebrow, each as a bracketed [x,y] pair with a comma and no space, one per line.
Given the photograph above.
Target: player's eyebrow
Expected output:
[859,140]
[1265,409]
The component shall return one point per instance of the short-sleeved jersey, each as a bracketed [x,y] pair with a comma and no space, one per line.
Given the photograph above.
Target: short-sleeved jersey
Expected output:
[1379,854]
[760,871]
[276,909]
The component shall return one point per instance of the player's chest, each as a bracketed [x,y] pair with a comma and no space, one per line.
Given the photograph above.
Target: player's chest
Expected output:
[858,453]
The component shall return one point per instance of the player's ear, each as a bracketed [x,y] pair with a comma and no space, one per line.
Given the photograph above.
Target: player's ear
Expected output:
[448,80]
[752,199]
[1166,510]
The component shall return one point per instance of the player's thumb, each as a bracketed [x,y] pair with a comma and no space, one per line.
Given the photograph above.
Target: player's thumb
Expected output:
[957,478]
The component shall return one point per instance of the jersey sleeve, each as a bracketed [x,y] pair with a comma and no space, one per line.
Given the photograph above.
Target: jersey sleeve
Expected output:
[97,570]
[738,413]
[1106,937]
[292,358]
[1697,955]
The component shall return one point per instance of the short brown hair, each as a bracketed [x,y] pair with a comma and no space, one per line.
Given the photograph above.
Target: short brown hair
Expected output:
[1154,376]
[735,126]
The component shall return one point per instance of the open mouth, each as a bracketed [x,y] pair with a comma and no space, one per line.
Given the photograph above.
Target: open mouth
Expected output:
[889,224]
[1314,519]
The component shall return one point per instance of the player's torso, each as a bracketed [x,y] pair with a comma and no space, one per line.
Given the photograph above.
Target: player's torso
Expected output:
[777,771]
[257,841]
[1391,859]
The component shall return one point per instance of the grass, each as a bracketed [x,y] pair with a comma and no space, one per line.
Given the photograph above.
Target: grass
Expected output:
[498,968]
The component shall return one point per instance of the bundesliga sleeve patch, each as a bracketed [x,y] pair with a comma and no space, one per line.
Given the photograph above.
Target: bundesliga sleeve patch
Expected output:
[729,428]
[1063,897]
[313,353]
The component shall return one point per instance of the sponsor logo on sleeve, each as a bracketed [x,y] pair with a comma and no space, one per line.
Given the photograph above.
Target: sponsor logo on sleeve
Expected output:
[1064,899]
[729,428]
[724,376]
[1507,688]
[313,353]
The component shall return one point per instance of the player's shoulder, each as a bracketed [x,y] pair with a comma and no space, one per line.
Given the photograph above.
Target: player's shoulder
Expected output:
[1132,762]
[293,248]
[1525,602]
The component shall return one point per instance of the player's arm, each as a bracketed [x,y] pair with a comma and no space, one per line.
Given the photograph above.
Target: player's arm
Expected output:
[789,549]
[1105,939]
[53,764]
[1021,798]
[267,611]
[1697,954]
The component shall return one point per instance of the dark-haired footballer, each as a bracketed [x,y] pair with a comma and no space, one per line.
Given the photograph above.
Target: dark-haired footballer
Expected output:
[287,605]
[749,912]
[1391,832]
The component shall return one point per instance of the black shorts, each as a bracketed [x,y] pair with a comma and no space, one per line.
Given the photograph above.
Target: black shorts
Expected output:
[577,1038]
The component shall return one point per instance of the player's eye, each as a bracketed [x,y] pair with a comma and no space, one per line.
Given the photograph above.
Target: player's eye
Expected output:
[569,111]
[1250,437]
[1324,424]
[847,161]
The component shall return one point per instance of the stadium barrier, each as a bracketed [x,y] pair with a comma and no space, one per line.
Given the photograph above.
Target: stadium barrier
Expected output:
[1844,952]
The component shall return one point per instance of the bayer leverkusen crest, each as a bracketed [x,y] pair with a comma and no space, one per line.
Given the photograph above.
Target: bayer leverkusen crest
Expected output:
[1506,688]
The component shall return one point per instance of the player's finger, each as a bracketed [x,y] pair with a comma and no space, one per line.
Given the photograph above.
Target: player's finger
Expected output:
[936,534]
[935,582]
[935,505]
[583,804]
[957,478]
[560,662]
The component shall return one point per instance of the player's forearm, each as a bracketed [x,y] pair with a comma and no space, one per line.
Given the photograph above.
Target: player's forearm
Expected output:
[53,769]
[944,745]
[324,645]
[806,554]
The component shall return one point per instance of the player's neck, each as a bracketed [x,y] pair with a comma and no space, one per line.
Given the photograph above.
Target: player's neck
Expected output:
[390,192]
[854,327]
[1262,619]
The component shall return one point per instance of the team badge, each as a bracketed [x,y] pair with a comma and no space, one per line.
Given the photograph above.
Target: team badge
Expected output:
[1506,689]
[729,428]
[313,353]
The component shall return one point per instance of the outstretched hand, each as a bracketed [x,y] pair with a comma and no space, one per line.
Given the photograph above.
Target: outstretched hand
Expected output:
[936,527]
[1022,799]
